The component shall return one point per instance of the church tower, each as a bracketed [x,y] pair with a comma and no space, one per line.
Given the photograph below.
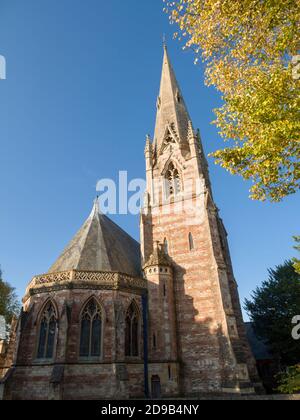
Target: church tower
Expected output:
[196,331]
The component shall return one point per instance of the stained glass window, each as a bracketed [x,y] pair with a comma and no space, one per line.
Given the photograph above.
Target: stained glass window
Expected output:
[47,333]
[91,330]
[132,332]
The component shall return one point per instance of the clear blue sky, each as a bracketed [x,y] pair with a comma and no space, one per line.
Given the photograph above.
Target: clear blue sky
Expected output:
[82,82]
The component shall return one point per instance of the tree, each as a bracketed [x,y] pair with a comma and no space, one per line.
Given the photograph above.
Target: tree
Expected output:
[249,48]
[272,308]
[290,381]
[296,261]
[9,304]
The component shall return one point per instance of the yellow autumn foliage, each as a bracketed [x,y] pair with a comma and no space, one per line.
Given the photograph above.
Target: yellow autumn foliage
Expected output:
[251,50]
[296,261]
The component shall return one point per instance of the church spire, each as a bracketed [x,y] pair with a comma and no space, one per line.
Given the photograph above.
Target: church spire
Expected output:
[172,112]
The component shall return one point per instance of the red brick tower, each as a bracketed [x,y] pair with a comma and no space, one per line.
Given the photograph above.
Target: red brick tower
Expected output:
[196,329]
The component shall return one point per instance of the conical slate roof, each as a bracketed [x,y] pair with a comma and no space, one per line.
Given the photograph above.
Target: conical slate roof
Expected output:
[100,245]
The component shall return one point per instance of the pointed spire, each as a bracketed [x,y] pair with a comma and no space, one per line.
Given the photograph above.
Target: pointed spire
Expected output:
[148,147]
[171,109]
[96,207]
[164,41]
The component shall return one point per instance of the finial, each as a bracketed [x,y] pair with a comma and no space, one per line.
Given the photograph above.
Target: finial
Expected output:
[148,147]
[148,141]
[96,204]
[164,41]
[96,207]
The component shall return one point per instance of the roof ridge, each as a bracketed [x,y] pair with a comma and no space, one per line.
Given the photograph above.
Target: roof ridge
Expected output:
[92,215]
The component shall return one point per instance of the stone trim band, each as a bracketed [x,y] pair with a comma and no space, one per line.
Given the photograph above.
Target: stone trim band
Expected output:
[84,279]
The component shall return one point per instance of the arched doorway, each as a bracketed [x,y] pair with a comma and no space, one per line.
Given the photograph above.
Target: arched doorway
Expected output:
[155,387]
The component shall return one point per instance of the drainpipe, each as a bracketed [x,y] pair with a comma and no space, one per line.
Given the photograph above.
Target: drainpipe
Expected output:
[145,332]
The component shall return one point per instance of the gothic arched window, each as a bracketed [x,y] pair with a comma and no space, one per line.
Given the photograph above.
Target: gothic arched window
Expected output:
[173,183]
[91,330]
[191,242]
[132,332]
[47,332]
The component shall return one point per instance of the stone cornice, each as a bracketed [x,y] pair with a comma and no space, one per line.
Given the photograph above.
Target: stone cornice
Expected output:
[84,280]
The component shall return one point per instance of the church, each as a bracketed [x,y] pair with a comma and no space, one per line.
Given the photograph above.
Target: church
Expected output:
[117,319]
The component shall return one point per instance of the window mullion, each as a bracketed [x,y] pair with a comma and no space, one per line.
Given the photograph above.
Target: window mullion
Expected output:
[46,339]
[90,340]
[131,338]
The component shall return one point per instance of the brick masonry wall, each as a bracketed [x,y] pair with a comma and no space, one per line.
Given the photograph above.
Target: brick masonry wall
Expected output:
[211,343]
[81,380]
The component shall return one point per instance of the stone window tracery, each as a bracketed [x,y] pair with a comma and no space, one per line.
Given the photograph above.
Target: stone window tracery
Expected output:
[47,333]
[132,332]
[173,181]
[91,330]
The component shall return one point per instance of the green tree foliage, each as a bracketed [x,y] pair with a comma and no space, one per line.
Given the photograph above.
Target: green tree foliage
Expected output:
[296,261]
[9,304]
[290,381]
[250,48]
[272,308]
